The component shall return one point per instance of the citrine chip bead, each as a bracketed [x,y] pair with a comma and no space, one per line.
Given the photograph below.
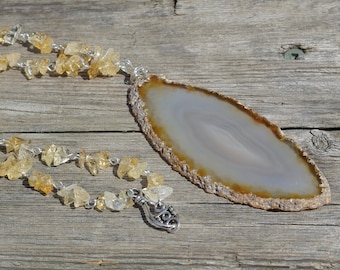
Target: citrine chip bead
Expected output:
[102,159]
[14,168]
[54,155]
[94,162]
[41,182]
[108,198]
[67,194]
[36,67]
[60,63]
[73,65]
[25,151]
[137,168]
[31,68]
[124,167]
[128,201]
[157,193]
[14,144]
[100,205]
[81,158]
[76,48]
[42,42]
[132,167]
[9,60]
[3,63]
[3,32]
[104,64]
[75,195]
[81,197]
[154,179]
[12,34]
[13,59]
[43,66]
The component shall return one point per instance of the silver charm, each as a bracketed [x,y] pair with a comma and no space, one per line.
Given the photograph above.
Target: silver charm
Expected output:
[160,215]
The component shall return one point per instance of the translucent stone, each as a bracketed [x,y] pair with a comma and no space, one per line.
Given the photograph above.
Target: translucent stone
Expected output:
[60,63]
[123,167]
[74,194]
[9,60]
[13,145]
[118,204]
[73,65]
[137,170]
[31,69]
[54,155]
[128,201]
[93,71]
[109,197]
[76,48]
[3,32]
[154,179]
[42,42]
[13,59]
[157,193]
[67,194]
[102,159]
[36,67]
[20,168]
[81,159]
[43,66]
[58,184]
[12,35]
[3,63]
[132,167]
[106,65]
[14,168]
[227,148]
[69,64]
[94,162]
[100,205]
[81,197]
[24,151]
[41,182]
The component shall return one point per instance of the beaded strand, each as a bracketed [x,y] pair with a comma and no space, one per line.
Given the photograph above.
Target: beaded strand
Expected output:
[73,58]
[19,164]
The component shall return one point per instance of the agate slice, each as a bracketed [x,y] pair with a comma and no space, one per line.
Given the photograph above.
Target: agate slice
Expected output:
[226,148]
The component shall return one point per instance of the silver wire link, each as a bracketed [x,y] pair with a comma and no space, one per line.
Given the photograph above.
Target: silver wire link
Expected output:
[36,150]
[114,161]
[160,215]
[139,73]
[57,47]
[126,66]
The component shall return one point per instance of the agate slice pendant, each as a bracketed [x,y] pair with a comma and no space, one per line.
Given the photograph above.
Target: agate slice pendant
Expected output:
[226,148]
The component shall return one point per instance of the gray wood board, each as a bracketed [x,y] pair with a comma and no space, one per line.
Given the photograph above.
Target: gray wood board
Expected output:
[232,47]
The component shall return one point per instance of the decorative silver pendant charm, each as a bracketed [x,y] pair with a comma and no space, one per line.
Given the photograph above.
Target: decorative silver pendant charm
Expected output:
[159,214]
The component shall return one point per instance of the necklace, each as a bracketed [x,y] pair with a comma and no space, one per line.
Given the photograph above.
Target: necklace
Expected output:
[214,141]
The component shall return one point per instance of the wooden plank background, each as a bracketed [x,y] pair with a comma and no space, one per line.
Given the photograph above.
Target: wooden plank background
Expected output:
[233,47]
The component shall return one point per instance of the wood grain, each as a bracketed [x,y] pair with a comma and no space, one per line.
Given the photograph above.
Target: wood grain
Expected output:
[233,47]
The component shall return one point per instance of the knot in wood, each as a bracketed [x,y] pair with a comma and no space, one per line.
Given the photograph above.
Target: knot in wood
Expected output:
[320,140]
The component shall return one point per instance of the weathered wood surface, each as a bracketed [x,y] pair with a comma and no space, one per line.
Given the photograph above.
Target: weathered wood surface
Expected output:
[233,47]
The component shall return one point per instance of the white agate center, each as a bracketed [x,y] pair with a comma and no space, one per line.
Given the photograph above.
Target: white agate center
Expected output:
[235,150]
